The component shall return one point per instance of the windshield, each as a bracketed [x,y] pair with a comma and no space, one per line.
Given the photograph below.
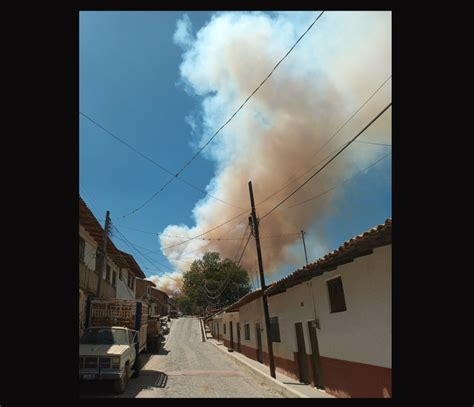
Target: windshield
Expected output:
[104,336]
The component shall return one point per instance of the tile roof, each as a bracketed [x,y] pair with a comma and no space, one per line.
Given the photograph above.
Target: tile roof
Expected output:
[132,264]
[94,228]
[244,300]
[360,245]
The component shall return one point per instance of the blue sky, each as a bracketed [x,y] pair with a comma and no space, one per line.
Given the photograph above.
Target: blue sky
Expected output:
[130,83]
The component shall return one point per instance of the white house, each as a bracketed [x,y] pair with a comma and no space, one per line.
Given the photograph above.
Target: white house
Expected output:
[330,320]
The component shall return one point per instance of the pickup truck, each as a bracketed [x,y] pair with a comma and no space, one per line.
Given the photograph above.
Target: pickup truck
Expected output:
[109,353]
[116,333]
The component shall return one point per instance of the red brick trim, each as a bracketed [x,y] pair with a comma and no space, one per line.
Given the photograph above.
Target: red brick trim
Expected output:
[342,378]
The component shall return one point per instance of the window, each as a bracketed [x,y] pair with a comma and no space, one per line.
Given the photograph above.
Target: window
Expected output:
[148,291]
[247,332]
[130,337]
[107,275]
[114,279]
[224,328]
[82,246]
[104,336]
[336,295]
[274,329]
[120,275]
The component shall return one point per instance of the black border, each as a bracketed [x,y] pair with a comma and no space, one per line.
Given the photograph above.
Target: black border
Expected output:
[49,195]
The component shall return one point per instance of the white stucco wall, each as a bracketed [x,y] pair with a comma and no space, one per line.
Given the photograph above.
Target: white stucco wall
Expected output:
[122,289]
[226,318]
[362,333]
[90,248]
[252,313]
[293,306]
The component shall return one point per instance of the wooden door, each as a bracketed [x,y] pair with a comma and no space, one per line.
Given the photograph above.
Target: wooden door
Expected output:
[238,337]
[231,335]
[302,360]
[315,358]
[259,343]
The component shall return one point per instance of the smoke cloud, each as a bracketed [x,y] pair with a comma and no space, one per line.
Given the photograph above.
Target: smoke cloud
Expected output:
[331,72]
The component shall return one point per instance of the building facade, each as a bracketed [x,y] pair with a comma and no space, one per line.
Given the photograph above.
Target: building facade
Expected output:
[118,279]
[330,321]
[158,301]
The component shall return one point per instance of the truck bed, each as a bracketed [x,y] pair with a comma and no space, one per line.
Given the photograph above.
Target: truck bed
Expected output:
[118,312]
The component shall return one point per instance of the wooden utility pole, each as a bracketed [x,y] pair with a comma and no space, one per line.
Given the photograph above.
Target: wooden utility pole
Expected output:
[104,255]
[304,245]
[262,283]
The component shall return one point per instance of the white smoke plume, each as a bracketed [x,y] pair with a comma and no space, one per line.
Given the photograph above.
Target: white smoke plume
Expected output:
[170,283]
[331,72]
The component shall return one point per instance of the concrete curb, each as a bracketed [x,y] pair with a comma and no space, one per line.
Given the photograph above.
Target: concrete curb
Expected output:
[203,330]
[270,381]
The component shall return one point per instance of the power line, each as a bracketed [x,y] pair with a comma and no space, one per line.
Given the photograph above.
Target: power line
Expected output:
[292,179]
[131,245]
[255,91]
[224,284]
[328,162]
[207,239]
[174,176]
[245,247]
[155,163]
[335,186]
[208,231]
[370,142]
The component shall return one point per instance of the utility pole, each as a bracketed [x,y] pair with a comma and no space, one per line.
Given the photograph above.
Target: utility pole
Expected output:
[262,283]
[104,254]
[304,245]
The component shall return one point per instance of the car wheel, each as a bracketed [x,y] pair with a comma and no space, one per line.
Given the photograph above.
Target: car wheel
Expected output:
[136,367]
[121,384]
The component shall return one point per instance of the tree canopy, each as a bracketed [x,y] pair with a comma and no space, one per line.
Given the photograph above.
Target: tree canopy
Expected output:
[213,283]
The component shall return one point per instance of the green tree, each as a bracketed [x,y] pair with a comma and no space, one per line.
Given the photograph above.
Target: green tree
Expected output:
[185,305]
[212,282]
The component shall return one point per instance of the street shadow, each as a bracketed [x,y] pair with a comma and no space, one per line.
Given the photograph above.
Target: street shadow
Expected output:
[296,384]
[148,354]
[149,380]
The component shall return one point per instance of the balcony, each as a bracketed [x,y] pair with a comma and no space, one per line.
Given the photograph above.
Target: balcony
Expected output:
[88,282]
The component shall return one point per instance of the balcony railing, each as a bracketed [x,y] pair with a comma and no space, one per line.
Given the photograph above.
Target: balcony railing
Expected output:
[88,282]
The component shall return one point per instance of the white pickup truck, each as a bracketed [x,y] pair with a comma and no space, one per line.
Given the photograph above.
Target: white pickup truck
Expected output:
[109,353]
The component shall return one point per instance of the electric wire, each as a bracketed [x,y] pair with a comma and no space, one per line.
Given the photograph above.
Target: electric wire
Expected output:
[174,176]
[328,162]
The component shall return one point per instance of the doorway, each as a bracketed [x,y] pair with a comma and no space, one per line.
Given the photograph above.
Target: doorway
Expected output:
[259,343]
[231,335]
[315,359]
[301,356]
[238,337]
